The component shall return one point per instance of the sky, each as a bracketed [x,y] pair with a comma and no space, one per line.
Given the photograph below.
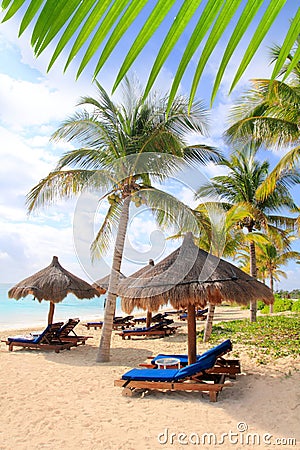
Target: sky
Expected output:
[32,105]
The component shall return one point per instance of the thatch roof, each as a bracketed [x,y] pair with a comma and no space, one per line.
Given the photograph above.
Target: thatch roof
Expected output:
[53,283]
[190,275]
[102,284]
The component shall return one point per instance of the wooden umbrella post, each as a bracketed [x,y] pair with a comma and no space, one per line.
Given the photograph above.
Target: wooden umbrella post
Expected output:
[192,344]
[51,313]
[148,319]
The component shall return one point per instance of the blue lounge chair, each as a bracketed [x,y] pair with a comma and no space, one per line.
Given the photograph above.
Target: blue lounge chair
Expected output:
[228,366]
[194,377]
[200,314]
[118,323]
[218,350]
[94,325]
[157,318]
[160,329]
[67,333]
[47,340]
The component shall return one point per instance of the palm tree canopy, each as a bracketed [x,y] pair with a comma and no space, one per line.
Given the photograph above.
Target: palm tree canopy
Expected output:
[270,258]
[89,25]
[269,115]
[242,182]
[122,149]
[187,276]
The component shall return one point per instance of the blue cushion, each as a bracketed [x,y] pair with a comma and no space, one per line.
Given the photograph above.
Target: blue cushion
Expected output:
[34,340]
[203,363]
[130,330]
[150,374]
[218,350]
[153,327]
[94,323]
[170,374]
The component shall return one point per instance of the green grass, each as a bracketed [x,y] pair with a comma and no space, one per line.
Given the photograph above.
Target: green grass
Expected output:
[296,306]
[268,338]
[280,305]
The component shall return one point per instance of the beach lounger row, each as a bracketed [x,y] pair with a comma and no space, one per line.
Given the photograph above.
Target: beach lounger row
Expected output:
[118,323]
[208,375]
[127,321]
[154,319]
[160,329]
[200,315]
[57,336]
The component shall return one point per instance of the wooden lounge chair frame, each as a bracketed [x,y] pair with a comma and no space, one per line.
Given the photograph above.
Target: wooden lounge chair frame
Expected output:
[228,367]
[195,383]
[49,341]
[67,328]
[157,330]
[200,376]
[94,325]
[200,315]
[119,323]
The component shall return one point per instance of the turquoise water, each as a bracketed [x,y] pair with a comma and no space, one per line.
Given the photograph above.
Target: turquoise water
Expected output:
[27,313]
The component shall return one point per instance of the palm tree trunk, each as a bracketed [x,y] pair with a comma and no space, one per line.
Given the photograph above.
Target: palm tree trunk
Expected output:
[272,289]
[209,322]
[253,303]
[104,347]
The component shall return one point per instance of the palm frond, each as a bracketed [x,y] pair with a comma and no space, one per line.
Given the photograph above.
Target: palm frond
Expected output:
[170,212]
[286,164]
[86,158]
[86,25]
[104,238]
[56,185]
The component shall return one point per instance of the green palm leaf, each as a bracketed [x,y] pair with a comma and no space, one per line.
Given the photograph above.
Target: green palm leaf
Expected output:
[104,237]
[56,185]
[90,22]
[168,211]
[268,18]
[247,16]
[290,39]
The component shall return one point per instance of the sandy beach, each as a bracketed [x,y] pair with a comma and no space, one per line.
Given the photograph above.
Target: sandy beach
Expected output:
[68,401]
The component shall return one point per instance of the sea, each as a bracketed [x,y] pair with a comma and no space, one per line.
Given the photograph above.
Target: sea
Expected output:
[30,313]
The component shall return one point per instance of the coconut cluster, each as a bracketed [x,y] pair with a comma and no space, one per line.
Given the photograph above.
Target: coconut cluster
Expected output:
[132,189]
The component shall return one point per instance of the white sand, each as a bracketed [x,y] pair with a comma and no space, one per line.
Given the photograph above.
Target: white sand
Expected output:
[68,401]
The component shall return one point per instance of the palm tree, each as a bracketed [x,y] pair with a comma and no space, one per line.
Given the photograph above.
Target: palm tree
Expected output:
[269,115]
[240,186]
[122,148]
[87,24]
[269,260]
[220,235]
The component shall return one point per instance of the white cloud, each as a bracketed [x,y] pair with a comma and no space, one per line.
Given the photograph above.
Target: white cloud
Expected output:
[25,104]
[29,247]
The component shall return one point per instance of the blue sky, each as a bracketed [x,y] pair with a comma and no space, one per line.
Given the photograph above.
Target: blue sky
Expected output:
[34,102]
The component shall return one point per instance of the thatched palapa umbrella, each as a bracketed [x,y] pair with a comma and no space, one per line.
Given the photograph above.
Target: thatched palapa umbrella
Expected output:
[188,278]
[53,283]
[102,284]
[142,273]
